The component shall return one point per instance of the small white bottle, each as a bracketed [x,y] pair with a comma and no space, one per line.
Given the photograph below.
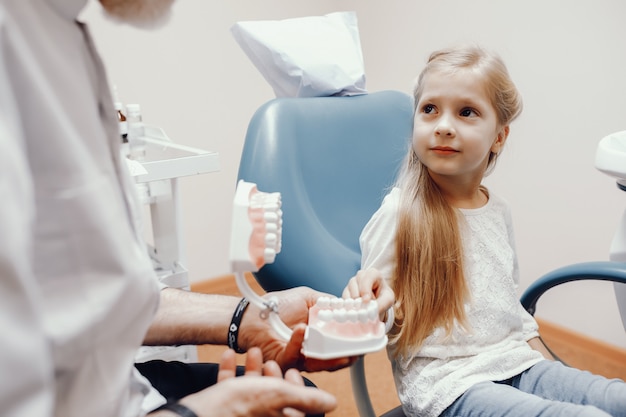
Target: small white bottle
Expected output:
[121,122]
[123,127]
[136,132]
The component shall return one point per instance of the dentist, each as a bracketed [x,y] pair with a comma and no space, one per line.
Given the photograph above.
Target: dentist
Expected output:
[78,294]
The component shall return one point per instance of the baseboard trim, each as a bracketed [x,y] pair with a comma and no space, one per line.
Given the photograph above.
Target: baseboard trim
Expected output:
[584,352]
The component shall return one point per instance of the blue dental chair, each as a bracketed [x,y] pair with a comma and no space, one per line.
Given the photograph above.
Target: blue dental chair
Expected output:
[333,160]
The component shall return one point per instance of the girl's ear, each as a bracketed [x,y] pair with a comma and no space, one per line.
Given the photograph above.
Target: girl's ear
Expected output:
[500,140]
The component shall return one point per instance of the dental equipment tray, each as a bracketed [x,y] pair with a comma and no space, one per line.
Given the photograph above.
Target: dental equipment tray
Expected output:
[166,160]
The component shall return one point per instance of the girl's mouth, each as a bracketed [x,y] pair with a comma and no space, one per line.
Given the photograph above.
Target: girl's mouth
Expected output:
[444,150]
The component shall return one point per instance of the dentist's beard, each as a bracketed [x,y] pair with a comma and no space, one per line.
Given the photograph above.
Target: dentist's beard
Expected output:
[145,14]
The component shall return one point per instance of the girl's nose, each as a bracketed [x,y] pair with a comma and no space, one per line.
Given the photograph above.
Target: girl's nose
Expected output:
[444,127]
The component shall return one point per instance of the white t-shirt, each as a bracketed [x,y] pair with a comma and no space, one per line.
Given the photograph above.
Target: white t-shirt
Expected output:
[496,348]
[79,263]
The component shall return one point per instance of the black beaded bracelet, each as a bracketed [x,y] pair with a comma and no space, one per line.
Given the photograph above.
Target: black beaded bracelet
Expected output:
[233,329]
[178,408]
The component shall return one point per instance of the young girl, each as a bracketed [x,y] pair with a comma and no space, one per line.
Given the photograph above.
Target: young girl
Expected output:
[462,344]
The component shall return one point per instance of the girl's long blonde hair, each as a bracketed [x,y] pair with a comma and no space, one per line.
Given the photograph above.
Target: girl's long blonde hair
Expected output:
[429,282]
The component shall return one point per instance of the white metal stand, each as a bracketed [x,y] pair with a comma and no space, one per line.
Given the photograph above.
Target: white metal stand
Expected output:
[157,184]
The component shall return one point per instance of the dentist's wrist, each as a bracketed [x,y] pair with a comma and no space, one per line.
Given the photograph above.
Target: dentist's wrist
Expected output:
[177,409]
[235,325]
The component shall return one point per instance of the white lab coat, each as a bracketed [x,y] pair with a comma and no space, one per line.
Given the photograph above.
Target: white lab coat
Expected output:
[78,289]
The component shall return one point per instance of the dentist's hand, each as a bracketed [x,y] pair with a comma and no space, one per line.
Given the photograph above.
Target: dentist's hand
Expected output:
[369,284]
[261,392]
[293,307]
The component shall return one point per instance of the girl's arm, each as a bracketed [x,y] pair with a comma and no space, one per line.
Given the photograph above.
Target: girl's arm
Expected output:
[377,256]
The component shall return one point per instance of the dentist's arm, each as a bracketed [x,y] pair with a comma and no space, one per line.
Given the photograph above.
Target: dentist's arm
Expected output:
[186,317]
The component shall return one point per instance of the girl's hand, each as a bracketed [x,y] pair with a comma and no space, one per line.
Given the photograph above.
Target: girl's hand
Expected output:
[369,284]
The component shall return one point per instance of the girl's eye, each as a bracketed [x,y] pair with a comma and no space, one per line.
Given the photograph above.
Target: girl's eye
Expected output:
[429,108]
[467,112]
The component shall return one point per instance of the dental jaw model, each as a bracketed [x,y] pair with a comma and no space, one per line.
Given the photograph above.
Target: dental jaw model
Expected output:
[611,160]
[343,327]
[336,327]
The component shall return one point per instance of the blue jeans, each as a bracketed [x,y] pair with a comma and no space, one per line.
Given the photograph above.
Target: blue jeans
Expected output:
[548,389]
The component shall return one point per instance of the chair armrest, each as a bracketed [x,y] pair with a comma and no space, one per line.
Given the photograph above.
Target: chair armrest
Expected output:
[604,271]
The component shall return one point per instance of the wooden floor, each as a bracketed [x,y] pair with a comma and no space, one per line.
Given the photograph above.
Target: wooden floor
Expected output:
[575,349]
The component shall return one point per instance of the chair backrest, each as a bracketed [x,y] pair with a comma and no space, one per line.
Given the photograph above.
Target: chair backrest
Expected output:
[332,159]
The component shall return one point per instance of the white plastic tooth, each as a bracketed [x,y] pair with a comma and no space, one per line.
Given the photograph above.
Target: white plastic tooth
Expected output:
[358,302]
[271,228]
[325,315]
[269,216]
[258,200]
[340,315]
[348,303]
[271,239]
[363,316]
[323,302]
[269,255]
[353,315]
[372,310]
[336,303]
[270,206]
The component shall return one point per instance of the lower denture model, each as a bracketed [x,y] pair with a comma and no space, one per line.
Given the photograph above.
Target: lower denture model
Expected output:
[341,327]
[337,327]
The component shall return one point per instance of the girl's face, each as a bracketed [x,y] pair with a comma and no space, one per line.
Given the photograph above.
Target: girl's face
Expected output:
[455,126]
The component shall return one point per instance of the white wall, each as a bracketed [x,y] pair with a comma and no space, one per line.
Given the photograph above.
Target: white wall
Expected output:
[567,57]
